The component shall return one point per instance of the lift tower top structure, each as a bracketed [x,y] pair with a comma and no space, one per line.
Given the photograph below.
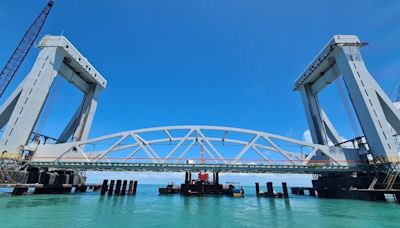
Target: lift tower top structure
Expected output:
[376,113]
[23,48]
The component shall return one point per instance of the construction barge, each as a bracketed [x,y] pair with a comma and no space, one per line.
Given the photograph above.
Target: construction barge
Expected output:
[170,189]
[202,186]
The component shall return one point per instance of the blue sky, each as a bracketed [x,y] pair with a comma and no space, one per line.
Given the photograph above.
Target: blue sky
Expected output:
[227,62]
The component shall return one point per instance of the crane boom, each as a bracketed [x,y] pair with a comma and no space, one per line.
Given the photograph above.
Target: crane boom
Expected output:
[23,48]
[398,93]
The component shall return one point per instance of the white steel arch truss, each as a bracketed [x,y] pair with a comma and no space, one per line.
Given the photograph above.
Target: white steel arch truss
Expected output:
[211,138]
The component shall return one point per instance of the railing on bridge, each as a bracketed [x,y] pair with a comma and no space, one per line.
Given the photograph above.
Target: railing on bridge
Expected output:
[196,161]
[234,168]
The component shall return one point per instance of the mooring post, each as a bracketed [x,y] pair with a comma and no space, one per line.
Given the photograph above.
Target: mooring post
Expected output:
[118,187]
[217,177]
[130,189]
[186,177]
[104,187]
[111,189]
[134,187]
[123,191]
[214,180]
[270,190]
[285,191]
[257,189]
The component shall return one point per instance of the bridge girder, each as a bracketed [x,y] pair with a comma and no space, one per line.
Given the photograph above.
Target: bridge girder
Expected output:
[212,138]
[225,168]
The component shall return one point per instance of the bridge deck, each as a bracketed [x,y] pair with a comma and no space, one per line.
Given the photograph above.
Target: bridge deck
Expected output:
[233,168]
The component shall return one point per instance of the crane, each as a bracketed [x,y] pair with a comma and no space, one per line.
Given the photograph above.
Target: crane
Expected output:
[398,94]
[23,48]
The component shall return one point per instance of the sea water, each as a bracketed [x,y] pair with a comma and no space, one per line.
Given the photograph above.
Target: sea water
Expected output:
[149,209]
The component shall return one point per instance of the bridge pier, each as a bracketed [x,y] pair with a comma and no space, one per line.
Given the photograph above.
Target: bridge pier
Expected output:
[216,177]
[130,190]
[134,187]
[270,190]
[123,191]
[257,189]
[285,190]
[118,187]
[188,177]
[104,187]
[111,188]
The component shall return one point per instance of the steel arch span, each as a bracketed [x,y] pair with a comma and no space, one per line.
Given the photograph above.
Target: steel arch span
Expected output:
[192,143]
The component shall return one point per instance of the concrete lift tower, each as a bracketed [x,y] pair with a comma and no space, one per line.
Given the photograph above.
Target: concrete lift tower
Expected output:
[376,113]
[20,112]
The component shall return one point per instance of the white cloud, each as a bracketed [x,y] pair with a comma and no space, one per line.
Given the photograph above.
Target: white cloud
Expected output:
[307,136]
[397,105]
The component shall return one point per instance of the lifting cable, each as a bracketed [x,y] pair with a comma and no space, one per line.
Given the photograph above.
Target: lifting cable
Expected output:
[347,107]
[49,105]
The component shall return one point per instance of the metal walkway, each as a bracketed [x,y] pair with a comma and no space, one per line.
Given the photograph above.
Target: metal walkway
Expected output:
[232,168]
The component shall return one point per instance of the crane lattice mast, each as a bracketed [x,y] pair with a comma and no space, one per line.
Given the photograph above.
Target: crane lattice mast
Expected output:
[23,48]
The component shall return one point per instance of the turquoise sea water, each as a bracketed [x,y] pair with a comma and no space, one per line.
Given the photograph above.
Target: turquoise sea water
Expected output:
[148,209]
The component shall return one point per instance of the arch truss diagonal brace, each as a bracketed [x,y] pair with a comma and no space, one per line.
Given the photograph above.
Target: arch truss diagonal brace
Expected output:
[221,144]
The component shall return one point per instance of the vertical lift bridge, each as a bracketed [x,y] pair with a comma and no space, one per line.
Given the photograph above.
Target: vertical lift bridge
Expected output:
[341,56]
